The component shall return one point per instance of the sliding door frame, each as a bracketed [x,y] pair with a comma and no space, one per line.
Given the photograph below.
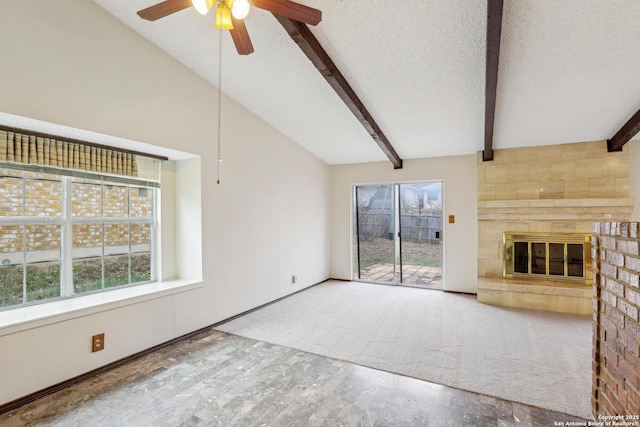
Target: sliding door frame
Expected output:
[397,238]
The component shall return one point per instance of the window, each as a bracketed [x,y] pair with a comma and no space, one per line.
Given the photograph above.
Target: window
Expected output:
[62,236]
[112,230]
[75,217]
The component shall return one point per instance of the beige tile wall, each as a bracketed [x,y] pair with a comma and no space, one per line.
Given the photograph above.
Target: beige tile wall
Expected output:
[553,189]
[567,171]
[566,299]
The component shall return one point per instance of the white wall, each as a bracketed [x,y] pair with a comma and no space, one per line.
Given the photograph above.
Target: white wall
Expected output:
[69,62]
[460,199]
[634,175]
[166,217]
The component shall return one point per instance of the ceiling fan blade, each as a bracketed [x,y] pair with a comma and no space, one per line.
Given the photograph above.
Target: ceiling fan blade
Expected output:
[163,9]
[240,37]
[292,10]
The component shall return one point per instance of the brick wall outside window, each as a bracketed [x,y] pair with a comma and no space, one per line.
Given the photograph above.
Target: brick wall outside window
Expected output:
[45,199]
[616,331]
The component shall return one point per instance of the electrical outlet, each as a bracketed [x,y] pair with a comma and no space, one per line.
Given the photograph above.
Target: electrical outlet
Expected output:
[294,279]
[97,342]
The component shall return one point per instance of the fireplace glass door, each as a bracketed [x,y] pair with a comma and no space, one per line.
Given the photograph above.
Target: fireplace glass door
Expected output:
[538,258]
[547,256]
[549,259]
[398,234]
[575,260]
[556,259]
[521,257]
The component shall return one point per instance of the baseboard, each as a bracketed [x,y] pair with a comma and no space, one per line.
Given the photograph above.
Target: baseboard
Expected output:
[266,304]
[475,294]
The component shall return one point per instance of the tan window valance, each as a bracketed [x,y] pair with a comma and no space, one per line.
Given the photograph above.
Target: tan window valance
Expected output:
[38,150]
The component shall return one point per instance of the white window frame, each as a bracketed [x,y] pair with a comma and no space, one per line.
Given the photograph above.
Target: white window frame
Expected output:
[67,221]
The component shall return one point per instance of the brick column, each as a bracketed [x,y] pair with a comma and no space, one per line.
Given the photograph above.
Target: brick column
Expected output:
[616,331]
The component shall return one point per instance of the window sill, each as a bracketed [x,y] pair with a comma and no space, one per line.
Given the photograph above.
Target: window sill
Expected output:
[25,318]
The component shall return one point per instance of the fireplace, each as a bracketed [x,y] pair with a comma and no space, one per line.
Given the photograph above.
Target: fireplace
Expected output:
[532,203]
[554,257]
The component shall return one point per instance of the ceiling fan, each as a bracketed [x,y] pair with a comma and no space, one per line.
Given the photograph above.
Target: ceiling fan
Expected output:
[230,15]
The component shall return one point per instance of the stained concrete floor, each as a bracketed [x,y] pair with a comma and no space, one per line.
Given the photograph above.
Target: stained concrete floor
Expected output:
[218,379]
[412,275]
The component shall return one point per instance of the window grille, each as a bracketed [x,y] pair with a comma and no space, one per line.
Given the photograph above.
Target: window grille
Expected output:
[75,217]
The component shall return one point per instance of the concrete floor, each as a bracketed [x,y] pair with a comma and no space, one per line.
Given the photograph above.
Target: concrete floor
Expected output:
[412,275]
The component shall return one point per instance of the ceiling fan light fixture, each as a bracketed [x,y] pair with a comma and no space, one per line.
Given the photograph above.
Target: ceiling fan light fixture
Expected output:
[202,6]
[240,8]
[223,17]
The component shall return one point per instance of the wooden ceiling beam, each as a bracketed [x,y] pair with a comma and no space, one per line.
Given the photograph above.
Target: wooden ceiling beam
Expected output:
[494,33]
[307,42]
[624,135]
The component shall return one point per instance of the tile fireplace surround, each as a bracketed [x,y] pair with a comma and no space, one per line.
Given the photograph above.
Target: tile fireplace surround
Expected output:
[549,189]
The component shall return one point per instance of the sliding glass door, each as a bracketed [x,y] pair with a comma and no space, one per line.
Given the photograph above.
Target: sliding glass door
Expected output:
[375,231]
[398,234]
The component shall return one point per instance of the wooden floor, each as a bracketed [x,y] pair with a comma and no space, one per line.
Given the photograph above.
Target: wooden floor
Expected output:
[218,379]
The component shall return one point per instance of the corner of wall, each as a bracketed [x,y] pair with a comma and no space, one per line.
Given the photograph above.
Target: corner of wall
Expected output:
[167,221]
[616,300]
[188,231]
[634,176]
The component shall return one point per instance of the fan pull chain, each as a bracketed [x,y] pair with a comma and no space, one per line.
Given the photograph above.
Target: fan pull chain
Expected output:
[219,102]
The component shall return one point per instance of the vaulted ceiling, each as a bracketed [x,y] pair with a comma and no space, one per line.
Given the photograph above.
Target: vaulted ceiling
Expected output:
[568,72]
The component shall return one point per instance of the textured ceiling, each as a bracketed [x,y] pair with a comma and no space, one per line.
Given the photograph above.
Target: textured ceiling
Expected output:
[568,72]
